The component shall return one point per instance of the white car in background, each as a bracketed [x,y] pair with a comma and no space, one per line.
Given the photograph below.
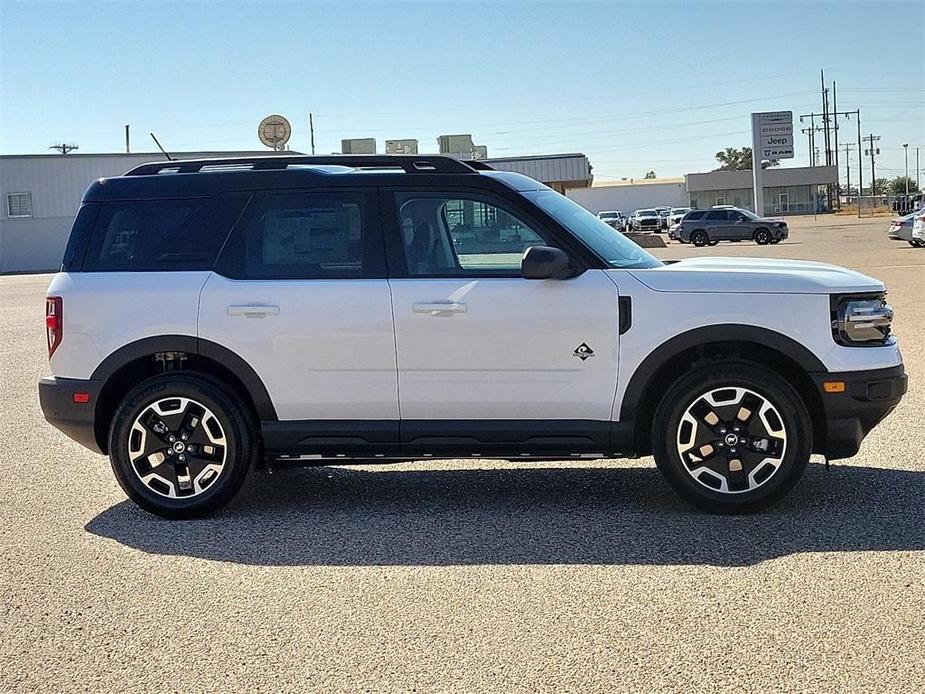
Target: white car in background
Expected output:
[918,230]
[614,218]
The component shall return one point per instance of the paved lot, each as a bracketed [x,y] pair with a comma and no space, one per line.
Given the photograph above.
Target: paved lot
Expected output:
[468,577]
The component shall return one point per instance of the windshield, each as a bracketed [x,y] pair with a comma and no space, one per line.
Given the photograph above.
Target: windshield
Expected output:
[609,244]
[749,214]
[680,210]
[609,215]
[647,213]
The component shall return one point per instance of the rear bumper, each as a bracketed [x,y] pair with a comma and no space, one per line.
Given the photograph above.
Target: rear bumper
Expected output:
[869,396]
[76,420]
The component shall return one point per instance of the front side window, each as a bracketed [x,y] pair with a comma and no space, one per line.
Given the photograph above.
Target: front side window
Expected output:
[456,235]
[304,235]
[606,242]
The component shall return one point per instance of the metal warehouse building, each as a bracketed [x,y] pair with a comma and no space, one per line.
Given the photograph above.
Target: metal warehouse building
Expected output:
[40,194]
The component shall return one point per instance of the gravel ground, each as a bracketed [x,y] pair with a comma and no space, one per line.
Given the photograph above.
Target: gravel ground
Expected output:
[485,576]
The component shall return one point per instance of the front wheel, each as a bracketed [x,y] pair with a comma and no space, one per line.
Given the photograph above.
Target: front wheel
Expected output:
[180,444]
[762,237]
[732,438]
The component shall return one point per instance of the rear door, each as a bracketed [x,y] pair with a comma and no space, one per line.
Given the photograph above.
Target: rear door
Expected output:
[715,223]
[487,360]
[300,293]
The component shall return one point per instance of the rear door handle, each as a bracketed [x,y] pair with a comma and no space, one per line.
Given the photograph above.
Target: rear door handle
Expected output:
[253,310]
[436,308]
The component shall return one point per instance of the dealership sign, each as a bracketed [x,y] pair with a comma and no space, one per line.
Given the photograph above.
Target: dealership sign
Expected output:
[774,136]
[772,139]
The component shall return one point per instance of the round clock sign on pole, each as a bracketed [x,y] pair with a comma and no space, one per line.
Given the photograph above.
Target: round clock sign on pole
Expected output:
[274,131]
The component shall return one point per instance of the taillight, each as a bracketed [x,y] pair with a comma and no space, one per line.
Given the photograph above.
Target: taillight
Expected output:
[53,323]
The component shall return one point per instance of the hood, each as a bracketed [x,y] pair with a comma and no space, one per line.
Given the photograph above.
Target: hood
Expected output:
[754,275]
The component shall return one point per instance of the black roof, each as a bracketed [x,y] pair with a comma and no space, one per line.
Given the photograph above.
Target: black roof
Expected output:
[204,177]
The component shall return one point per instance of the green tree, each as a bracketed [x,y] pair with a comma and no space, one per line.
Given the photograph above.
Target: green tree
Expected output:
[650,174]
[897,186]
[739,159]
[880,187]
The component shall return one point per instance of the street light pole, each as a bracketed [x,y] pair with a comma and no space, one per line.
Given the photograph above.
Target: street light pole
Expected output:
[906,151]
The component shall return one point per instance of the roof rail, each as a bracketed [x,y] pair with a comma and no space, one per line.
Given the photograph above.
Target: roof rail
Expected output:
[409,163]
[479,165]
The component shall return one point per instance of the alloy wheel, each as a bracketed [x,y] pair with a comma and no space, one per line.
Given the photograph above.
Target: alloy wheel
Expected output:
[177,447]
[731,440]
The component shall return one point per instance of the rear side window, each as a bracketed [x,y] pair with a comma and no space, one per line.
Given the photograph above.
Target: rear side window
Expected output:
[161,235]
[716,215]
[306,235]
[695,214]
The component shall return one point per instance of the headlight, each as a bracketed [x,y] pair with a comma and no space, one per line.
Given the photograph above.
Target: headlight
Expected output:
[861,320]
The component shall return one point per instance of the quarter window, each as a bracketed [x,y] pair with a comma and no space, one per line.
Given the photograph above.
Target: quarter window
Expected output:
[161,235]
[304,235]
[458,236]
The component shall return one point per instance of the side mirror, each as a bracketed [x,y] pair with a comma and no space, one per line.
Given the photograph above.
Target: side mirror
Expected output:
[545,263]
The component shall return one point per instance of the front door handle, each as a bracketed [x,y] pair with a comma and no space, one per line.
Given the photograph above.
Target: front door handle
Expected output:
[437,308]
[253,310]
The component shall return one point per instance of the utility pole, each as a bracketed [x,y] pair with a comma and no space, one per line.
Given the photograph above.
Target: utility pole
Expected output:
[311,128]
[64,148]
[917,169]
[870,151]
[835,135]
[127,149]
[848,167]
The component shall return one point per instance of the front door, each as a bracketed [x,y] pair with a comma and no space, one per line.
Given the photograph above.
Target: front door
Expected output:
[489,362]
[300,293]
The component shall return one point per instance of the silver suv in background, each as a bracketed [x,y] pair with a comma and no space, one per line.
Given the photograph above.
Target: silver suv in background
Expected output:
[645,220]
[709,227]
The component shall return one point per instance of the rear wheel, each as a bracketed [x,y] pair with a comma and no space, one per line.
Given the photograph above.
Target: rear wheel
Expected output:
[180,444]
[762,237]
[917,243]
[699,238]
[732,438]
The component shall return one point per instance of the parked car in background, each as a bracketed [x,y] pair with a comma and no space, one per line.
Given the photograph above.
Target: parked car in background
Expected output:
[614,218]
[901,229]
[709,227]
[645,220]
[676,214]
[663,213]
[918,230]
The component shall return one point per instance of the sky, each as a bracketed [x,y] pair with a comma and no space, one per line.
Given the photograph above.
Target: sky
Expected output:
[635,86]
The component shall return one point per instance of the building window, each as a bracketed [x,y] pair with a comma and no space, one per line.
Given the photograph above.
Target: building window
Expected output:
[19,205]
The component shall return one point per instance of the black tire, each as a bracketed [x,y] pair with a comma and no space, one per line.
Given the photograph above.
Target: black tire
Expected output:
[762,237]
[235,423]
[748,464]
[917,243]
[699,238]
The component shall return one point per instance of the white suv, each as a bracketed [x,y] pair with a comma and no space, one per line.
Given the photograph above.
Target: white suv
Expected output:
[210,315]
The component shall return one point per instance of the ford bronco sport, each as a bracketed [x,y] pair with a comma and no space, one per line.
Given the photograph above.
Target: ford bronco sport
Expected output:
[326,310]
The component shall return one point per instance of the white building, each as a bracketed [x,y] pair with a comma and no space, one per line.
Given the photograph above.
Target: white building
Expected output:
[40,194]
[558,171]
[630,195]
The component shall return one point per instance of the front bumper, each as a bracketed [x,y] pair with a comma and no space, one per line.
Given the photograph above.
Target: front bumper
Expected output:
[868,397]
[76,420]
